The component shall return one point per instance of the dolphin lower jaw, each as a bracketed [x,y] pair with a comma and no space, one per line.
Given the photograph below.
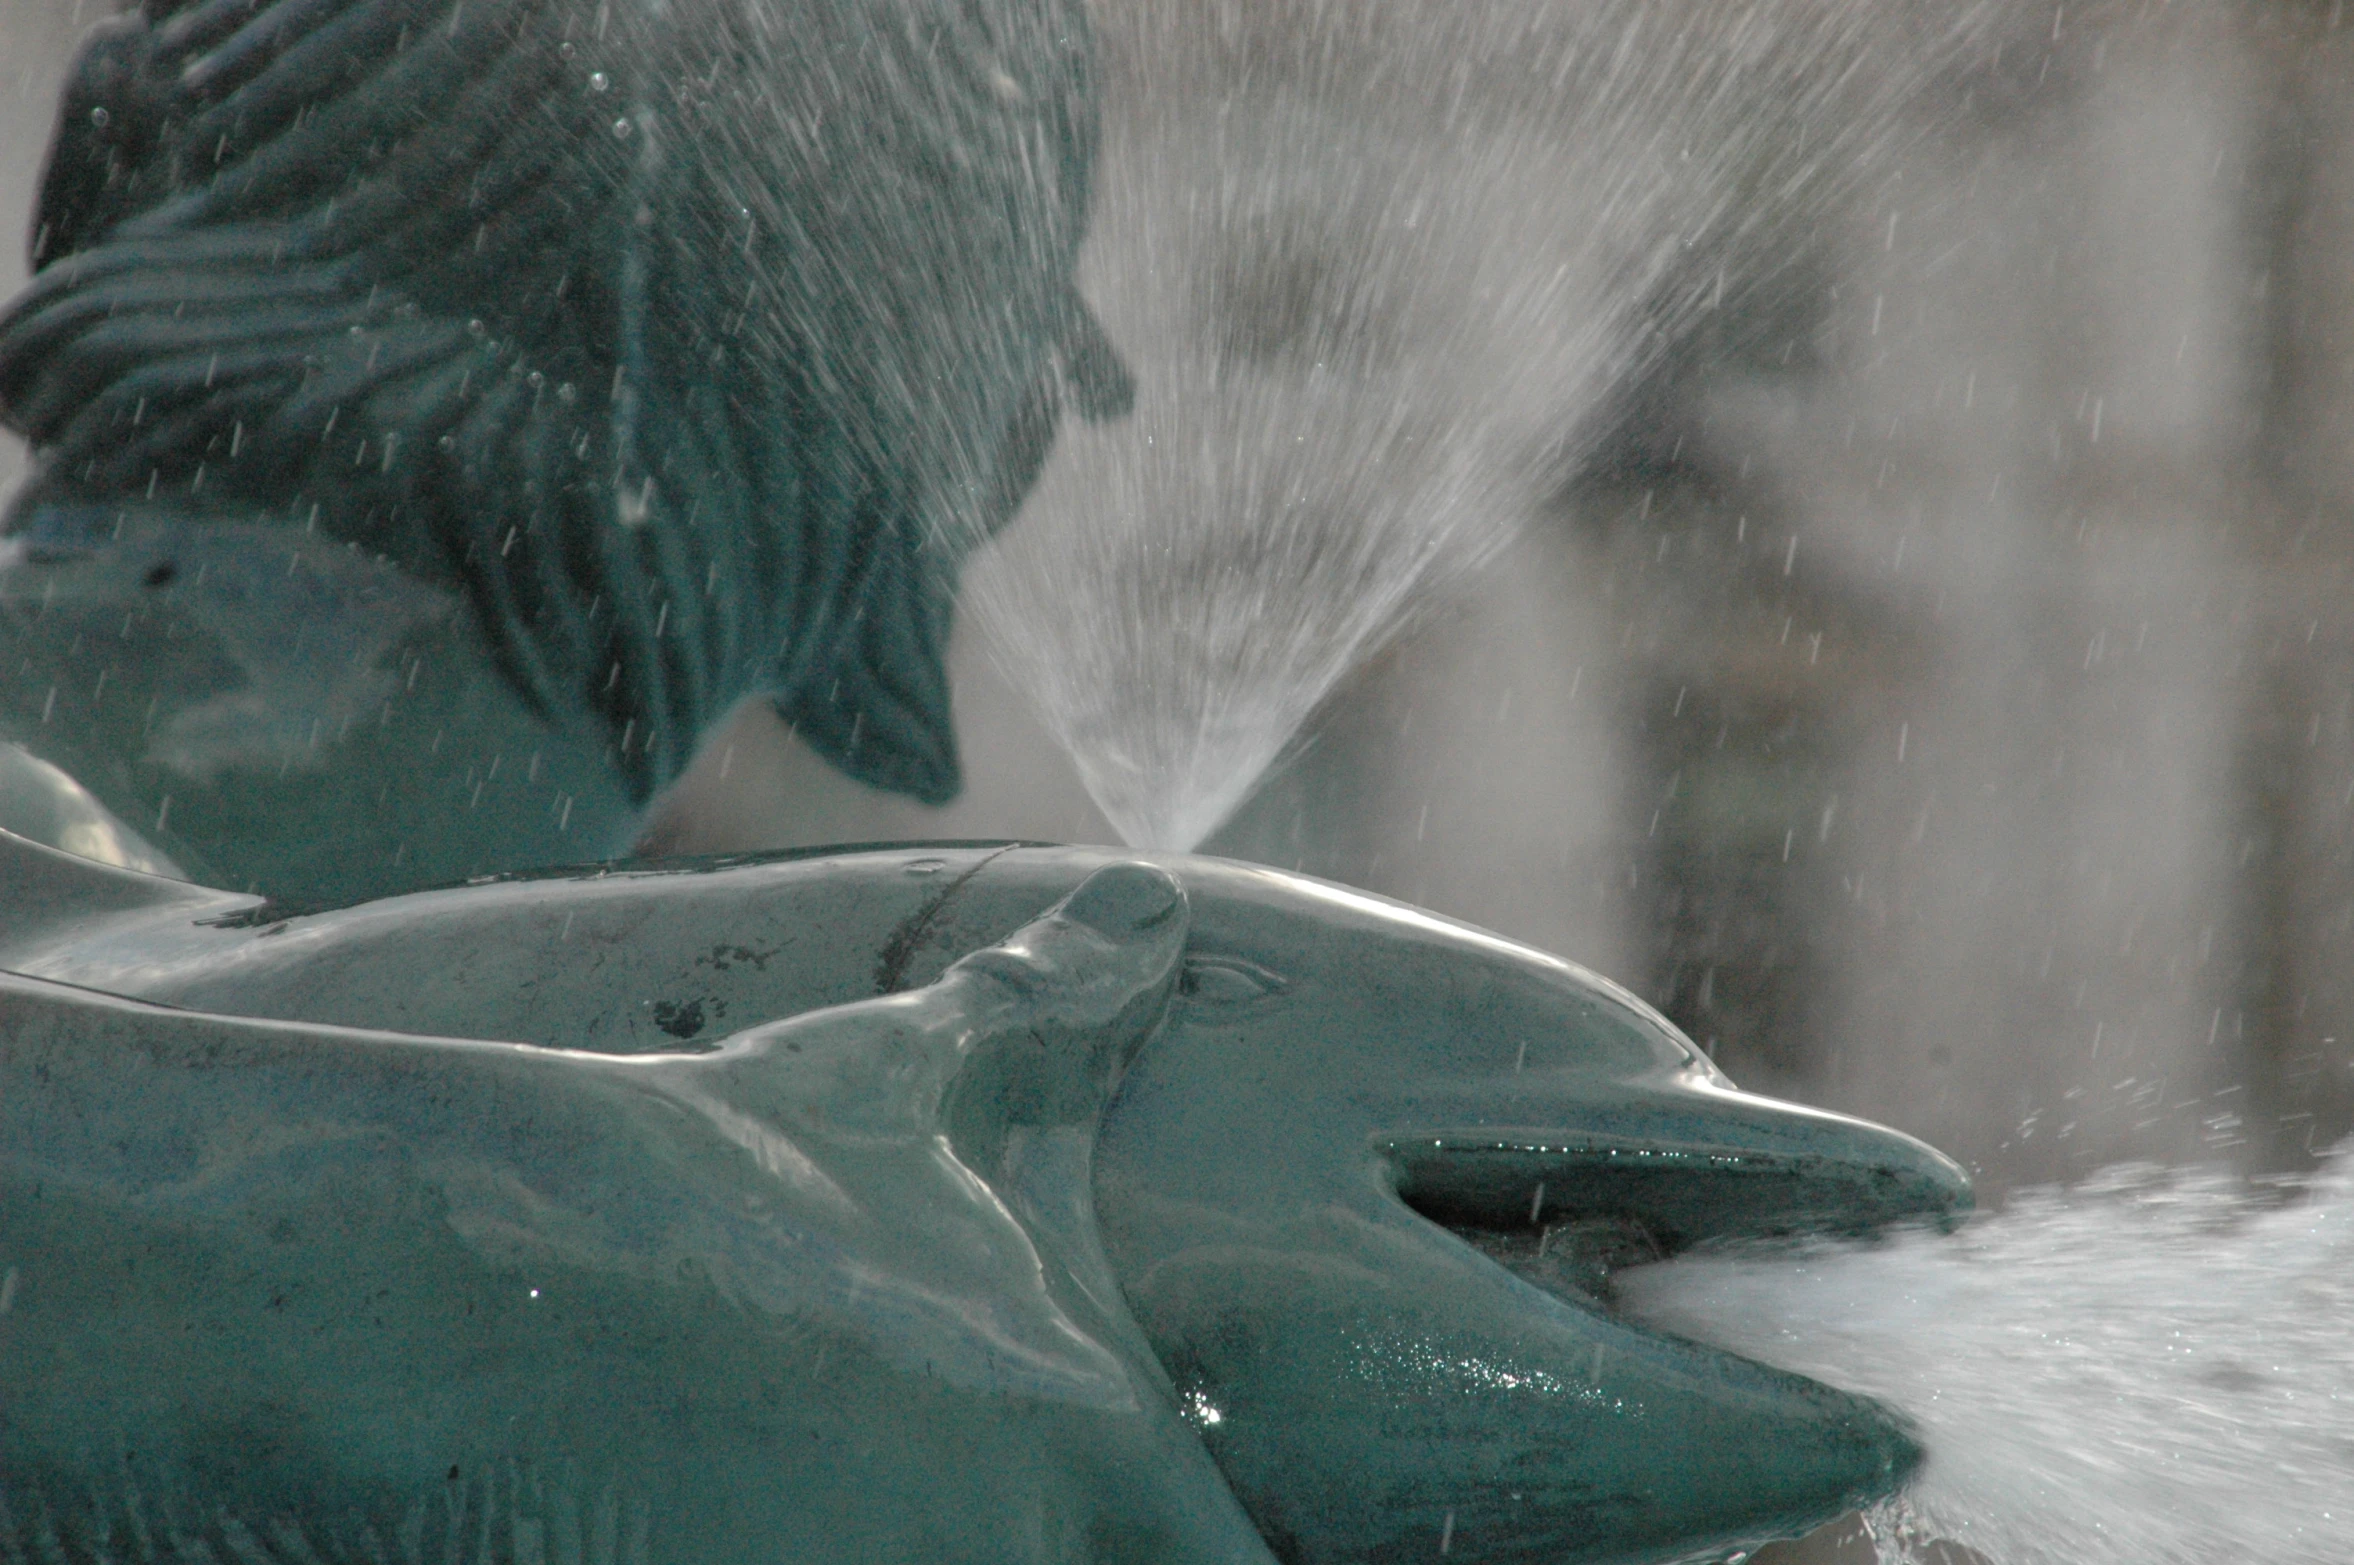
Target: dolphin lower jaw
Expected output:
[1414,1397]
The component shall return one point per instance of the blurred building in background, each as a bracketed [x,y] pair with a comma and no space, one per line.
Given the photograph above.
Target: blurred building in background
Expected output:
[1938,699]
[1986,721]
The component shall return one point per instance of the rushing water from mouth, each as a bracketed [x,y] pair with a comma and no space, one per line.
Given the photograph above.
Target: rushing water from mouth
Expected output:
[2150,1369]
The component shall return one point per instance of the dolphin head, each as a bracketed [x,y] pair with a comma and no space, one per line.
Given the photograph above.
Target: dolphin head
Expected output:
[1308,1181]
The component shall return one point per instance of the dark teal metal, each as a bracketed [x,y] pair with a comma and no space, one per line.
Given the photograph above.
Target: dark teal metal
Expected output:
[875,1281]
[447,410]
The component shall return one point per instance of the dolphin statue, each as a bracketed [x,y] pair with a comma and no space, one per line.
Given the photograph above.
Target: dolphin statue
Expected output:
[935,1201]
[446,411]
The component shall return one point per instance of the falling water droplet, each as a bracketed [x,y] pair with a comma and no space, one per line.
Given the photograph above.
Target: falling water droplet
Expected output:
[99,116]
[621,127]
[599,81]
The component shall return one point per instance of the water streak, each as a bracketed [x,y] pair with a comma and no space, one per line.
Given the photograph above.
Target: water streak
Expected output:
[1385,273]
[2151,1369]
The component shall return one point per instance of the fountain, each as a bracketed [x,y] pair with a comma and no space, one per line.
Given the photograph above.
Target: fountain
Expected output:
[1038,1202]
[1214,1266]
[547,512]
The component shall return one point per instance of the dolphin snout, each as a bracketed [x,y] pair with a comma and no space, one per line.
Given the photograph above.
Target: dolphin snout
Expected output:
[1684,1163]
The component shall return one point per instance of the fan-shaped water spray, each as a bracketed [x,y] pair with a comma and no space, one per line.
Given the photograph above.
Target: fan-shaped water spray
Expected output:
[1382,271]
[2151,1370]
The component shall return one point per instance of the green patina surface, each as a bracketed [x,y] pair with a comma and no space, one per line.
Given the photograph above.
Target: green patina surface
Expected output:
[978,1202]
[447,410]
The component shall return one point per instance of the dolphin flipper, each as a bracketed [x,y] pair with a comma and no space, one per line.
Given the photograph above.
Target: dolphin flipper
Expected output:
[337,1294]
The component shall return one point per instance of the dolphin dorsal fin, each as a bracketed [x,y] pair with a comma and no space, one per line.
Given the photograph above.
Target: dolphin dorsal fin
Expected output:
[46,890]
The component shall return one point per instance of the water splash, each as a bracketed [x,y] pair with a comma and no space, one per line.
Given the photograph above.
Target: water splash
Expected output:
[2151,1369]
[1383,271]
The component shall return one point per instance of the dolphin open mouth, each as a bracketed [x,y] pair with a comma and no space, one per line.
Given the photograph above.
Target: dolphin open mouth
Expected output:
[1567,1213]
[1368,1217]
[1598,1203]
[1535,1421]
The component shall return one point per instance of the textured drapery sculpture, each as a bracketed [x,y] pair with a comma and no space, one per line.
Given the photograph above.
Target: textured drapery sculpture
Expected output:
[447,409]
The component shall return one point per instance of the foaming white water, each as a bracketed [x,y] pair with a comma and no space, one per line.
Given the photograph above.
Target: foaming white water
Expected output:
[1379,269]
[2151,1369]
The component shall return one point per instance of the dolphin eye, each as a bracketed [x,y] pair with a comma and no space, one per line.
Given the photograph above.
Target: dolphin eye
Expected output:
[1226,980]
